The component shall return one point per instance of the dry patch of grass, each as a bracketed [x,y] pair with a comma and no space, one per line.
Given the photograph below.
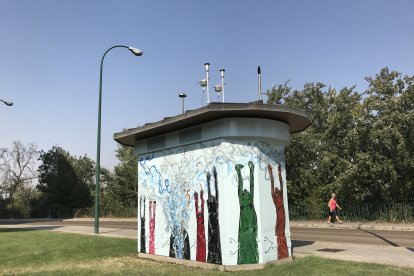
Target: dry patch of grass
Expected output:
[132,265]
[106,265]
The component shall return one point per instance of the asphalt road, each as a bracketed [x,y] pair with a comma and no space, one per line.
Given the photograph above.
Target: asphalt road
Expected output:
[358,236]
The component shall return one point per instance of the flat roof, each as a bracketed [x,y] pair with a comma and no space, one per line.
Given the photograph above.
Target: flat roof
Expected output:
[297,119]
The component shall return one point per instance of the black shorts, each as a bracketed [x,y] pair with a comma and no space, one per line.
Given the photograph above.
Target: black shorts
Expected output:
[332,213]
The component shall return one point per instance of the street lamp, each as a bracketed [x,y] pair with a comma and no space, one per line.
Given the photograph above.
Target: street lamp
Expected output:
[136,52]
[7,103]
[182,96]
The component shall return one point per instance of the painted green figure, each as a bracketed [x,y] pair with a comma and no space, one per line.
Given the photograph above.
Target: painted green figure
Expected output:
[248,250]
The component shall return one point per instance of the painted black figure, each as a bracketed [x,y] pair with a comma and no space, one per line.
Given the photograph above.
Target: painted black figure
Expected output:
[142,211]
[214,245]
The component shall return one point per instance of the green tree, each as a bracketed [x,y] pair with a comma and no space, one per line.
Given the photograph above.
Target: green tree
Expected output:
[62,189]
[120,191]
[360,144]
[85,170]
[388,137]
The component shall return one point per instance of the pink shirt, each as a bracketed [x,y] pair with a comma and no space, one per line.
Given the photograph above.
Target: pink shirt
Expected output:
[333,204]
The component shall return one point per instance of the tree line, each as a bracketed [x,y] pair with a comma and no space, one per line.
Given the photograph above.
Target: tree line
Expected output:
[62,183]
[360,144]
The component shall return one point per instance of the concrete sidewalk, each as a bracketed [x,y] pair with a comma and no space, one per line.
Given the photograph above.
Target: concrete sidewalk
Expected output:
[300,224]
[380,254]
[84,230]
[308,224]
[391,255]
[355,225]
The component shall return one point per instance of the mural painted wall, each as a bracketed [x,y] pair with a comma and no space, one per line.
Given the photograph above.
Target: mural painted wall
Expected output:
[222,202]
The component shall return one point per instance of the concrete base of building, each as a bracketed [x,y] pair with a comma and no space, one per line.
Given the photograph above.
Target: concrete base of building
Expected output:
[197,264]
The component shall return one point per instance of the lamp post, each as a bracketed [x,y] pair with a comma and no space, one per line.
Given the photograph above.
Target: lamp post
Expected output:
[6,102]
[136,52]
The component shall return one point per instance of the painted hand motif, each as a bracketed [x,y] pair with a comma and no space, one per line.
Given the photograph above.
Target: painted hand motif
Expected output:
[238,167]
[269,167]
[251,165]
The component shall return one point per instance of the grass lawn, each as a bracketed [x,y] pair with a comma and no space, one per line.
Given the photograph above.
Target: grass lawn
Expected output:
[44,252]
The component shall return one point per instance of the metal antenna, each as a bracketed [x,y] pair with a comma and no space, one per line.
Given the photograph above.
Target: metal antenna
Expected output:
[207,65]
[182,96]
[259,82]
[222,82]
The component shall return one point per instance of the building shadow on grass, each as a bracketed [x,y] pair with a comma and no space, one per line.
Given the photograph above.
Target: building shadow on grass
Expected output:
[26,221]
[26,229]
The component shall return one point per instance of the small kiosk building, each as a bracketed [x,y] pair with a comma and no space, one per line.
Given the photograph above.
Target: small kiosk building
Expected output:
[212,183]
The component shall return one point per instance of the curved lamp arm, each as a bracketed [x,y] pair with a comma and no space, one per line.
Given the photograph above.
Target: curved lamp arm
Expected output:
[7,103]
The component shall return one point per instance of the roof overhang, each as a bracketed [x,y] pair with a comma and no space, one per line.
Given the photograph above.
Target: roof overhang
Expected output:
[296,119]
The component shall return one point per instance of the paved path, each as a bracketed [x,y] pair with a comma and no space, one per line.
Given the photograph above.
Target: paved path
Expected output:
[387,251]
[383,254]
[56,225]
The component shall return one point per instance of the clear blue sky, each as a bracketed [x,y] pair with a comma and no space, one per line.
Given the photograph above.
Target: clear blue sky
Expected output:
[50,53]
